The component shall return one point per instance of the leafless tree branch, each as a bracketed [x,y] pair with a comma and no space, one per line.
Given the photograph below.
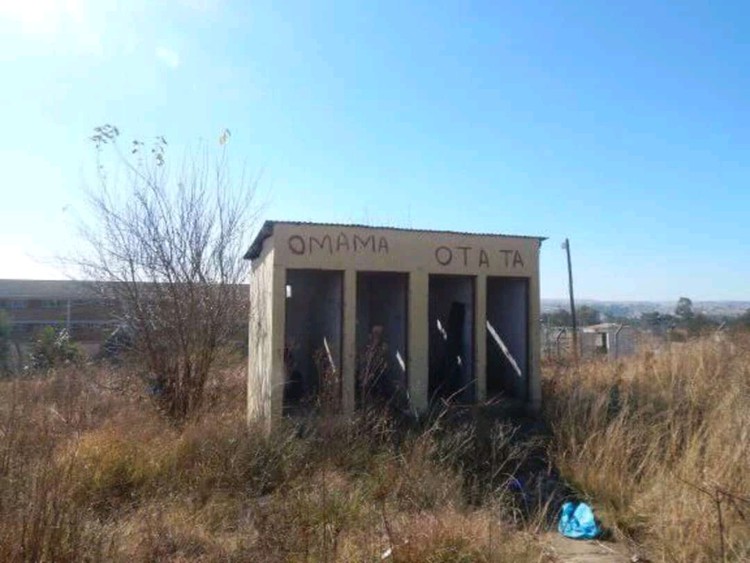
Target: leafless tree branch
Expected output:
[169,247]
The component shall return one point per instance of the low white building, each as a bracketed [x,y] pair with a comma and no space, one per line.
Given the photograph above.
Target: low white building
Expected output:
[452,316]
[608,339]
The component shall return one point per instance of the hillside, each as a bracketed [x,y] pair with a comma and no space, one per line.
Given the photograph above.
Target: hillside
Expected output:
[633,309]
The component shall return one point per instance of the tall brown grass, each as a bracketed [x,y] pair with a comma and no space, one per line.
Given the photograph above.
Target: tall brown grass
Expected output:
[660,444]
[90,472]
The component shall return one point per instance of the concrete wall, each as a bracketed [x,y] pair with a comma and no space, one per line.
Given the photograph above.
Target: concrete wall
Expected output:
[420,254]
[594,343]
[371,249]
[508,316]
[626,342]
[260,376]
[610,342]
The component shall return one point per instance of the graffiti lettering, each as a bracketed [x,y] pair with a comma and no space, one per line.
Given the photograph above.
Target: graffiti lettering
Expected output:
[465,250]
[364,243]
[467,256]
[443,255]
[360,243]
[342,242]
[321,244]
[506,254]
[337,244]
[297,244]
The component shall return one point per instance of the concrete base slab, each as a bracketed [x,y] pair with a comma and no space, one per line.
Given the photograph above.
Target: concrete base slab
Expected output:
[579,551]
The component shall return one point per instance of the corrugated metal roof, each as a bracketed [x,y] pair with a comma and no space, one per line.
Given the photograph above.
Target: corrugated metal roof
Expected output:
[267,230]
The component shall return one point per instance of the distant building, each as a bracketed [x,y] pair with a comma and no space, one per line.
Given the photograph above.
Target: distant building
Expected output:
[612,340]
[80,307]
[61,304]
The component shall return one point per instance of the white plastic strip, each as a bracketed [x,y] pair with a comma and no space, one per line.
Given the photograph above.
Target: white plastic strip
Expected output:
[504,348]
[328,353]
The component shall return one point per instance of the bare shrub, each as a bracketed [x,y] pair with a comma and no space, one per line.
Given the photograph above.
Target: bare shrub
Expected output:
[328,399]
[53,348]
[169,248]
[42,523]
[39,517]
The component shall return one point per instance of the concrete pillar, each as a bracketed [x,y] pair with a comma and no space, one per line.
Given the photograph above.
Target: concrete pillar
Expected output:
[480,337]
[278,323]
[535,332]
[260,349]
[418,347]
[349,351]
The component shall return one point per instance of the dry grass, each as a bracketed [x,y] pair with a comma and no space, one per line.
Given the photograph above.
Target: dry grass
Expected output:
[90,472]
[639,437]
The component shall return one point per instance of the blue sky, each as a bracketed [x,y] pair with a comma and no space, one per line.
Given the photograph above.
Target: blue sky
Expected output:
[624,126]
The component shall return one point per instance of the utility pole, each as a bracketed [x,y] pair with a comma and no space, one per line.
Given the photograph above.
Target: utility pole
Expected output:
[566,246]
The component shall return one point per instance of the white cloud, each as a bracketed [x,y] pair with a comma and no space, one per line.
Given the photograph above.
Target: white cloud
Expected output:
[168,56]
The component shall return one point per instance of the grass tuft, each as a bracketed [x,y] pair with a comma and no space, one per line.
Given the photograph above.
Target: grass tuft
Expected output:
[658,443]
[654,439]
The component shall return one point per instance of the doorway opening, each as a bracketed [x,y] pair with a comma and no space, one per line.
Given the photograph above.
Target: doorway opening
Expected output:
[507,337]
[382,305]
[451,338]
[312,339]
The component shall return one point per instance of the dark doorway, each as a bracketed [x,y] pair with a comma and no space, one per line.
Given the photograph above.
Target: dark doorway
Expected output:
[313,329]
[451,340]
[507,337]
[382,337]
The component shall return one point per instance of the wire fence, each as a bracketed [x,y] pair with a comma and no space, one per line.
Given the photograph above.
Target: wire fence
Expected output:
[612,341]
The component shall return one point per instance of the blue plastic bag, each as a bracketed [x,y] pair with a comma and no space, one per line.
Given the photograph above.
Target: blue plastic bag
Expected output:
[577,521]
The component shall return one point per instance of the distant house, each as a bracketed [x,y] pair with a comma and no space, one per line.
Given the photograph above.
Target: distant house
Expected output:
[80,307]
[62,304]
[608,339]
